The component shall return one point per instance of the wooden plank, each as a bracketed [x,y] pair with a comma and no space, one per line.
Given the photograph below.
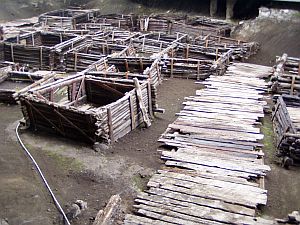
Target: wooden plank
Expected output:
[193,210]
[111,212]
[186,200]
[233,165]
[141,103]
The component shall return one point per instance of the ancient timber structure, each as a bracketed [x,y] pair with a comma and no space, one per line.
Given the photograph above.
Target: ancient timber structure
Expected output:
[94,78]
[285,116]
[113,65]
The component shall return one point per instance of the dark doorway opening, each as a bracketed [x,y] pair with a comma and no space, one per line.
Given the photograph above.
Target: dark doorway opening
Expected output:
[221,11]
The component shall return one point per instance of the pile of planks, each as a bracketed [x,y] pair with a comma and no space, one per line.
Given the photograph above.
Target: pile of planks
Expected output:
[214,163]
[286,78]
[286,121]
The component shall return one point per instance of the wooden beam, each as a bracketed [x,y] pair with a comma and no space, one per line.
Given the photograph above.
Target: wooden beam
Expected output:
[73,125]
[110,214]
[141,103]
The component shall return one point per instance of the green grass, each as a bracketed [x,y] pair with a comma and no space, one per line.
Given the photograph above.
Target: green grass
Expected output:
[297,14]
[269,137]
[138,182]
[64,162]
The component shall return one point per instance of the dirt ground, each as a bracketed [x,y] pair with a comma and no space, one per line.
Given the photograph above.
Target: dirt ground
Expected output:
[282,185]
[74,170]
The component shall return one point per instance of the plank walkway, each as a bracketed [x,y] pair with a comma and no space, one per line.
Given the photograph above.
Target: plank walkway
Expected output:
[213,172]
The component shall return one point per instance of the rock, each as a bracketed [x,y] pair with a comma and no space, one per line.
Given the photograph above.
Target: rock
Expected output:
[100,147]
[294,217]
[146,173]
[76,209]
[3,222]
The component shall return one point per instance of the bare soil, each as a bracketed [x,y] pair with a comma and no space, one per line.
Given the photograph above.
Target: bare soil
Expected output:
[282,184]
[75,171]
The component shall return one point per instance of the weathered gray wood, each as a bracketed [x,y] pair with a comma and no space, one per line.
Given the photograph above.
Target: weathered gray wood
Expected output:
[111,212]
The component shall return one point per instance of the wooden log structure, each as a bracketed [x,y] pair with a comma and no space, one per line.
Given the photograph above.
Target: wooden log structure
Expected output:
[120,21]
[67,18]
[214,168]
[42,50]
[286,123]
[286,77]
[87,108]
[80,57]
[14,83]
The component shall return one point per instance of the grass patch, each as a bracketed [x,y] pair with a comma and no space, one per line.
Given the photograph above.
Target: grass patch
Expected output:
[297,14]
[139,183]
[65,163]
[269,137]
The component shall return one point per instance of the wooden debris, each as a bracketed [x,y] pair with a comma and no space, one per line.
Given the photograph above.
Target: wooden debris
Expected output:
[111,212]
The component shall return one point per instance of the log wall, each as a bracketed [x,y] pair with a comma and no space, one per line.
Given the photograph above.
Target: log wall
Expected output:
[84,115]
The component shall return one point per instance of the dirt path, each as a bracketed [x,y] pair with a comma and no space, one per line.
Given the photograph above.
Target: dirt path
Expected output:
[75,171]
[282,185]
[23,199]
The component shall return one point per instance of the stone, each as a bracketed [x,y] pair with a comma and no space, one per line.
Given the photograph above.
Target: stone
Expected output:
[100,147]
[3,222]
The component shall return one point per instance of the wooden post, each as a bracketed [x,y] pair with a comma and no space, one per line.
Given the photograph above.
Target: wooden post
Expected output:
[172,67]
[32,39]
[73,94]
[75,61]
[198,70]
[132,117]
[150,100]
[141,103]
[141,65]
[144,39]
[292,85]
[113,36]
[110,125]
[103,49]
[12,52]
[187,52]
[206,43]
[41,57]
[126,65]
[51,98]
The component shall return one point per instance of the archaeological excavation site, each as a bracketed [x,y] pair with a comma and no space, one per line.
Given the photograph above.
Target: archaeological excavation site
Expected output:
[155,112]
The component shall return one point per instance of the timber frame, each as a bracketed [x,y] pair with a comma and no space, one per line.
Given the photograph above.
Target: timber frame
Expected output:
[93,109]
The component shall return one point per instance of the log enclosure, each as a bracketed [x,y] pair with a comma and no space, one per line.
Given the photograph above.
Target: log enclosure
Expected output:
[88,108]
